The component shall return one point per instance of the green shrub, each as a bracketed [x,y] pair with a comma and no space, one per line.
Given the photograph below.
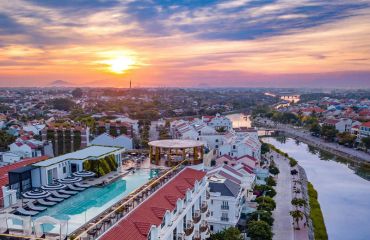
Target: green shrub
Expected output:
[292,162]
[316,214]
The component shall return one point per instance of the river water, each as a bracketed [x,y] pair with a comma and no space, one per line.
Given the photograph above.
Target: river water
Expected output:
[343,188]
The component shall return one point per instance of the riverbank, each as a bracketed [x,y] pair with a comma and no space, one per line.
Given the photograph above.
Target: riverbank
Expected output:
[341,189]
[313,224]
[306,137]
[315,214]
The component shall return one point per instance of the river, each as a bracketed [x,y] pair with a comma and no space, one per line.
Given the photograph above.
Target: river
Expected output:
[343,188]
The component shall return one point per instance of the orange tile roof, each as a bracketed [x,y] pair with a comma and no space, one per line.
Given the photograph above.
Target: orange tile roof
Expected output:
[137,224]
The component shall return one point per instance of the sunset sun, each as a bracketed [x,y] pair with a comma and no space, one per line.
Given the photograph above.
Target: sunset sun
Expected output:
[120,64]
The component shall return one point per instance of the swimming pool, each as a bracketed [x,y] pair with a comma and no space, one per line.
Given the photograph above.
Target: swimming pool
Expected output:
[82,207]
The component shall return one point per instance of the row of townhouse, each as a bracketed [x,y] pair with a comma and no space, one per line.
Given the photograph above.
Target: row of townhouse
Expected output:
[191,205]
[235,143]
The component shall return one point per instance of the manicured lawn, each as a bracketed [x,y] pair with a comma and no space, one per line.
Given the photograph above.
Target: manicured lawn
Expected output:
[316,214]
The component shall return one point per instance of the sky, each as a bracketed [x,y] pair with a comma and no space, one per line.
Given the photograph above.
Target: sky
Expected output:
[185,43]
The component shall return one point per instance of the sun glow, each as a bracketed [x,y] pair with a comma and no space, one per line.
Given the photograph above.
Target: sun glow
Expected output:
[120,64]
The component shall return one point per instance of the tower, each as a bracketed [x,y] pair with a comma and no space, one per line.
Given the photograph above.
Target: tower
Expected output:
[130,83]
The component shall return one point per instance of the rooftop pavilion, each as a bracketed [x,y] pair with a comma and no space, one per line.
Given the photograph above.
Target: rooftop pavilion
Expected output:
[172,151]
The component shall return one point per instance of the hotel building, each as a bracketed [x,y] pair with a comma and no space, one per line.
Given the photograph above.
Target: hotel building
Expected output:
[178,210]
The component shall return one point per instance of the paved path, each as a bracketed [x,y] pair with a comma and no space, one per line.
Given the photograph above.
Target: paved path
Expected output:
[283,225]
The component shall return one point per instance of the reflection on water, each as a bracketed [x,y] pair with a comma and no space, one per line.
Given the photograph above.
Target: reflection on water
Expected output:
[343,188]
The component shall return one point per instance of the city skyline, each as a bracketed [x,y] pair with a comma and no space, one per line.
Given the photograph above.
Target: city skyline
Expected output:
[188,44]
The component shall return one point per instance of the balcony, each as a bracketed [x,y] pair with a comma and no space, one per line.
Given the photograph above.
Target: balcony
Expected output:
[208,196]
[203,226]
[189,228]
[225,207]
[204,207]
[196,216]
[224,219]
[196,236]
[180,236]
[208,214]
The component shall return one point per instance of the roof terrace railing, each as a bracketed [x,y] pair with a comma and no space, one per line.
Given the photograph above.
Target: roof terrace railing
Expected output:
[98,225]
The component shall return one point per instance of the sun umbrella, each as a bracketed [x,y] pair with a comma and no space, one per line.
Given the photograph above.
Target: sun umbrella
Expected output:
[83,174]
[69,180]
[36,194]
[54,186]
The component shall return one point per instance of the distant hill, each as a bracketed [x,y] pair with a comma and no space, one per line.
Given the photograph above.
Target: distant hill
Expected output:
[60,83]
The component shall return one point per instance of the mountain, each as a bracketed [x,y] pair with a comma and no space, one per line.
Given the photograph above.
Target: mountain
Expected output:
[60,83]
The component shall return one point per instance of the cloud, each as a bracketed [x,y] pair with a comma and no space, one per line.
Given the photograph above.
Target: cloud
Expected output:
[239,38]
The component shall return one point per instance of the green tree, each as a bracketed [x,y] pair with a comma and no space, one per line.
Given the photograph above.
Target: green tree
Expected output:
[266,199]
[259,230]
[366,142]
[274,170]
[298,202]
[77,93]
[265,148]
[5,140]
[328,132]
[315,128]
[270,181]
[265,216]
[231,233]
[63,104]
[346,138]
[297,215]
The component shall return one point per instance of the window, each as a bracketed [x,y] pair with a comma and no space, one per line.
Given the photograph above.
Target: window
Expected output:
[224,217]
[64,169]
[211,227]
[234,146]
[225,205]
[216,146]
[216,140]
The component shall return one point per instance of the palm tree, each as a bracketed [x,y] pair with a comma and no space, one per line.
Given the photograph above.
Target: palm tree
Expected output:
[297,215]
[298,202]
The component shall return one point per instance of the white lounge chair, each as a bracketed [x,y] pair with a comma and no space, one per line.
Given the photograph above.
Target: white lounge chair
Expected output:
[58,195]
[25,212]
[83,185]
[67,192]
[46,203]
[32,206]
[74,188]
[55,199]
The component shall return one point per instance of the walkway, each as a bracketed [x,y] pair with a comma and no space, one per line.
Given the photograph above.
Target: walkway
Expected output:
[283,225]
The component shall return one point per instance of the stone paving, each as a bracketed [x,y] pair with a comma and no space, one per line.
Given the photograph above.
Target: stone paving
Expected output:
[283,224]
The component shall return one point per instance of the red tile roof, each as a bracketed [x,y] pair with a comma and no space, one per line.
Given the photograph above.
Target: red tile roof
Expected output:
[366,124]
[137,224]
[4,170]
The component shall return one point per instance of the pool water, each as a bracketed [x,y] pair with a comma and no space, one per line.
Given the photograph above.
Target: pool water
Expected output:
[82,207]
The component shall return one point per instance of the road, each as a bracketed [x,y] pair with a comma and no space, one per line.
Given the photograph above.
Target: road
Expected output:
[283,224]
[305,136]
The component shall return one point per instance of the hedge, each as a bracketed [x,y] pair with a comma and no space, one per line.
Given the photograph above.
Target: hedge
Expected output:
[316,214]
[101,166]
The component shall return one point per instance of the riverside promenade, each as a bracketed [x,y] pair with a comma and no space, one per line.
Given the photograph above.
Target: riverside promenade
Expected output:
[305,136]
[286,190]
[283,224]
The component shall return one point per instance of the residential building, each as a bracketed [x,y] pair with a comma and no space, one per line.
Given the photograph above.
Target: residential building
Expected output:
[68,138]
[122,141]
[225,204]
[364,130]
[230,188]
[218,122]
[178,210]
